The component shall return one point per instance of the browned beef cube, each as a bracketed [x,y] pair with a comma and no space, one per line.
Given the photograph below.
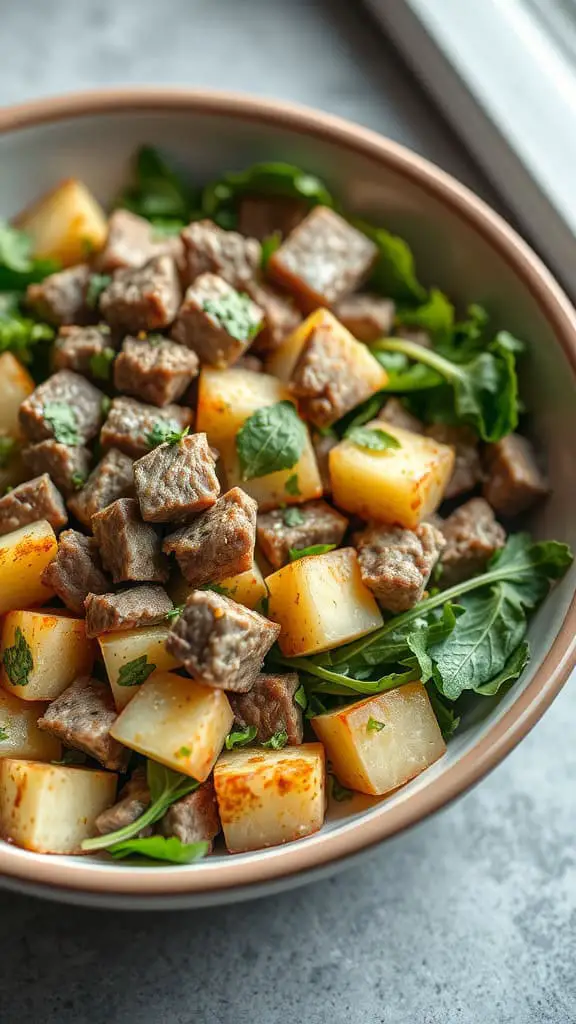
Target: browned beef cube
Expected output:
[472,537]
[219,542]
[68,467]
[249,362]
[414,334]
[134,799]
[176,480]
[133,241]
[33,500]
[323,445]
[297,527]
[129,548]
[65,406]
[515,481]
[82,717]
[128,609]
[210,250]
[130,424]
[467,469]
[270,708]
[367,317]
[323,259]
[221,643]
[154,369]
[76,571]
[216,322]
[281,315]
[393,412]
[61,297]
[86,350]
[112,478]
[143,298]
[261,216]
[194,818]
[396,563]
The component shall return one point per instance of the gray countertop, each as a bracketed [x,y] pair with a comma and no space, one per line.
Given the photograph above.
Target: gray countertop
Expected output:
[472,918]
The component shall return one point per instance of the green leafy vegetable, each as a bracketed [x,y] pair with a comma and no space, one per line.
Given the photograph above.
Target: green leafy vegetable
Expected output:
[220,199]
[158,194]
[18,661]
[62,419]
[372,438]
[234,313]
[446,717]
[7,449]
[435,315]
[357,417]
[394,274]
[291,516]
[105,405]
[269,246]
[292,486]
[4,735]
[511,671]
[314,549]
[101,363]
[300,697]
[217,588]
[272,439]
[277,741]
[166,432]
[169,849]
[240,738]
[77,480]
[135,672]
[175,612]
[18,333]
[18,268]
[338,791]
[373,725]
[404,376]
[96,285]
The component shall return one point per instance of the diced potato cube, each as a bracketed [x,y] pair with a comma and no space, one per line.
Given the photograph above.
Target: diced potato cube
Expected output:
[51,808]
[120,650]
[177,722]
[65,224]
[381,743]
[15,385]
[321,602]
[42,653]
[226,399]
[398,485]
[19,732]
[247,588]
[282,360]
[24,554]
[269,797]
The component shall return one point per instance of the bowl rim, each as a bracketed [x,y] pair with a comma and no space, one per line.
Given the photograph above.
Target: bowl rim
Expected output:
[323,849]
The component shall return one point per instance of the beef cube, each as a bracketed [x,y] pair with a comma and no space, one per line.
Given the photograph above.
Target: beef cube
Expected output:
[281,315]
[210,250]
[221,643]
[68,467]
[467,469]
[176,480]
[86,350]
[249,362]
[129,548]
[414,334]
[216,322]
[270,708]
[194,818]
[33,500]
[112,478]
[61,298]
[396,563]
[76,571]
[154,369]
[472,536]
[262,216]
[128,609]
[219,543]
[130,423]
[397,415]
[514,481]
[133,241]
[66,406]
[367,317]
[143,298]
[297,527]
[134,799]
[82,717]
[322,260]
[323,445]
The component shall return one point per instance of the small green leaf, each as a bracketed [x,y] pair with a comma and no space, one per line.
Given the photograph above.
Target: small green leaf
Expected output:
[372,439]
[78,480]
[105,405]
[18,661]
[221,198]
[135,672]
[183,752]
[300,697]
[277,741]
[158,193]
[217,588]
[101,363]
[373,725]
[170,849]
[164,432]
[175,612]
[62,418]
[240,738]
[292,486]
[338,791]
[4,735]
[270,440]
[292,517]
[394,274]
[314,549]
[7,449]
[234,311]
[269,246]
[96,285]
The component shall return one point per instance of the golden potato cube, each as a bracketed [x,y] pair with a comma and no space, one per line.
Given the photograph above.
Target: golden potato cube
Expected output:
[381,743]
[15,385]
[282,360]
[398,485]
[120,650]
[42,653]
[177,722]
[19,732]
[321,602]
[65,224]
[269,797]
[247,588]
[52,808]
[24,554]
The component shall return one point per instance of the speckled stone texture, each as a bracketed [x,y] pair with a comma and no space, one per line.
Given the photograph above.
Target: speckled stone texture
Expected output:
[471,919]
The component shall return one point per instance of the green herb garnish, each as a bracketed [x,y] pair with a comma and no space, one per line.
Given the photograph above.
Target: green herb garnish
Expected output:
[269,246]
[7,448]
[18,268]
[166,433]
[277,740]
[292,486]
[96,285]
[300,697]
[373,725]
[18,661]
[221,198]
[78,480]
[158,193]
[183,752]
[240,738]
[135,672]
[175,612]
[314,549]
[234,313]
[4,735]
[292,517]
[270,440]
[62,419]
[101,363]
[169,849]
[338,791]
[372,439]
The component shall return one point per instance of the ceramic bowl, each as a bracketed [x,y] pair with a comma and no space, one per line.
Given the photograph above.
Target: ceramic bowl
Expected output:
[463,247]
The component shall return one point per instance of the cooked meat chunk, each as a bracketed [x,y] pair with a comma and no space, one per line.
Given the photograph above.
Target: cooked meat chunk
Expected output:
[323,259]
[129,548]
[143,298]
[82,717]
[514,481]
[130,423]
[323,445]
[76,571]
[68,467]
[467,469]
[86,350]
[221,643]
[367,317]
[396,563]
[134,799]
[393,412]
[128,609]
[33,500]
[61,298]
[65,406]
[176,480]
[297,527]
[154,369]
[415,334]
[210,250]
[261,216]
[219,543]
[281,315]
[132,241]
[216,322]
[269,707]
[472,536]
[249,362]
[194,818]
[112,478]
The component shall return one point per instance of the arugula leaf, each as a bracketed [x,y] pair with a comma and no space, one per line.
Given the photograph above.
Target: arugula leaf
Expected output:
[220,199]
[158,194]
[511,671]
[292,486]
[435,315]
[292,517]
[277,740]
[7,449]
[166,432]
[135,672]
[372,438]
[272,439]
[404,376]
[446,717]
[373,725]
[234,313]
[18,268]
[169,849]
[300,697]
[314,549]
[96,285]
[394,274]
[62,418]
[18,660]
[240,738]
[4,735]
[101,363]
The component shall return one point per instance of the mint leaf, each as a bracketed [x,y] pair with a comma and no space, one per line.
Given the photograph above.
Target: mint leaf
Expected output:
[166,432]
[314,549]
[240,738]
[292,487]
[169,849]
[277,741]
[135,672]
[18,661]
[101,363]
[234,313]
[96,285]
[270,440]
[62,418]
[292,517]
[372,438]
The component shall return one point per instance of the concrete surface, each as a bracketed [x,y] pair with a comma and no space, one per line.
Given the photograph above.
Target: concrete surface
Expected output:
[471,919]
